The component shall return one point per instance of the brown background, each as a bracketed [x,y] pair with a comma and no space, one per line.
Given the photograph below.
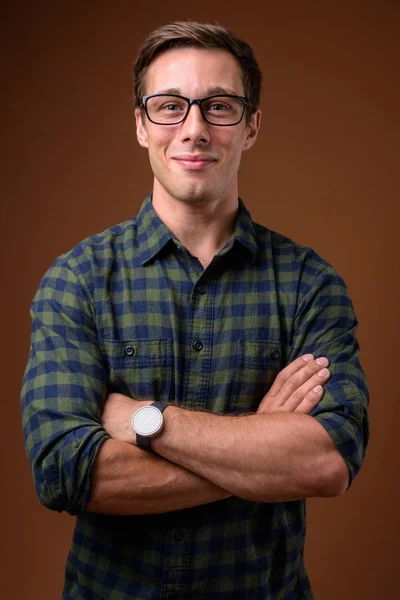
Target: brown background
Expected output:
[324,171]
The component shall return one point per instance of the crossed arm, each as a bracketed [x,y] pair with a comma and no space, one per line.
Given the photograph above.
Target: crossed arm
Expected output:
[280,453]
[84,459]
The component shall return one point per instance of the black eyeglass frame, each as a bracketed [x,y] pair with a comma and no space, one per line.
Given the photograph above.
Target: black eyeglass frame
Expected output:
[199,102]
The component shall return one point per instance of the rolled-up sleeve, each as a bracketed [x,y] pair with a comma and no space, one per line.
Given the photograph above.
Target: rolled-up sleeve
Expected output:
[326,325]
[63,391]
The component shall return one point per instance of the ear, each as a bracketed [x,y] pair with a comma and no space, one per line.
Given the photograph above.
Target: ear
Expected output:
[141,131]
[252,129]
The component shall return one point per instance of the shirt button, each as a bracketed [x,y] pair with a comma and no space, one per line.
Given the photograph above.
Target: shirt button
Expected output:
[202,289]
[179,535]
[197,345]
[274,354]
[129,350]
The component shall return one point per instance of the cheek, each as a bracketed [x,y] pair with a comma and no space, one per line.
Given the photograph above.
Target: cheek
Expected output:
[160,148]
[230,141]
[232,155]
[160,139]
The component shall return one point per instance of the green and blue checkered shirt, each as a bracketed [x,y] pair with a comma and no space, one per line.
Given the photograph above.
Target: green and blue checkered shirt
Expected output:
[130,310]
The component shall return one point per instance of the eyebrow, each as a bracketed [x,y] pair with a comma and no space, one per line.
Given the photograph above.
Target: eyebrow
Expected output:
[211,91]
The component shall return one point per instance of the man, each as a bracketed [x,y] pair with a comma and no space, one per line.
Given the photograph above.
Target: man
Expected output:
[228,327]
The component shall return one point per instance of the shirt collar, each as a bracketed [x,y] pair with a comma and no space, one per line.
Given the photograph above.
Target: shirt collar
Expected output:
[243,233]
[154,235]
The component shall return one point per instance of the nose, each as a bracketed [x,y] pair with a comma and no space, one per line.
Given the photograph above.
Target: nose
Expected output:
[194,127]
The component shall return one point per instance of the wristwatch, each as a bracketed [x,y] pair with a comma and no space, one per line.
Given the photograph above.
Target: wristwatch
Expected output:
[147,422]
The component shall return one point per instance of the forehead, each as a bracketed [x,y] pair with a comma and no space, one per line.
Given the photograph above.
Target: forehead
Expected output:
[193,72]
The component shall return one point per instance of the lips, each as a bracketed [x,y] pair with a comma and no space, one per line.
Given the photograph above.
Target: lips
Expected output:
[194,161]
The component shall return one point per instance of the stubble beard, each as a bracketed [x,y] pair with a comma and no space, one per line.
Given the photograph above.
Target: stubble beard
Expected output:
[189,192]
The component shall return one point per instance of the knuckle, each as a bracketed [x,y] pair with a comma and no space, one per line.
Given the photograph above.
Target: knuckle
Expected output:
[281,377]
[297,396]
[305,407]
[292,382]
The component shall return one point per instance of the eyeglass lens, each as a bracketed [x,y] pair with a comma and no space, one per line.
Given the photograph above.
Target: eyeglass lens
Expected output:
[219,110]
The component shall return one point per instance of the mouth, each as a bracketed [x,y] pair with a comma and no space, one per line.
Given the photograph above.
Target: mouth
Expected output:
[194,162]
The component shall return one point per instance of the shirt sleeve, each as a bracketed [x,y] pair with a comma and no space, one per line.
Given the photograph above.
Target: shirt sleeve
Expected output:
[63,391]
[325,325]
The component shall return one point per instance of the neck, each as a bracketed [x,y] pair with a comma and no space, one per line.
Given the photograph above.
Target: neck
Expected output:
[203,228]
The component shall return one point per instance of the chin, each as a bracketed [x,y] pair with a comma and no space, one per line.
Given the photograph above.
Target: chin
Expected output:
[191,189]
[192,195]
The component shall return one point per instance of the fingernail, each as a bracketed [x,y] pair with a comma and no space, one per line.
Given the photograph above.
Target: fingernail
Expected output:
[317,389]
[322,361]
[307,357]
[323,373]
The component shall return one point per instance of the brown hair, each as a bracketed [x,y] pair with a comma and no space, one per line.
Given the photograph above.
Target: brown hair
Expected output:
[186,34]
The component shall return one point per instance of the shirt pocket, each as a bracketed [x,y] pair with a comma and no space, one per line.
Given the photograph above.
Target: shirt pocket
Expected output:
[257,365]
[140,368]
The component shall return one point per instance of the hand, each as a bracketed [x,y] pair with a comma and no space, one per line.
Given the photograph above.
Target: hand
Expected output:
[298,387]
[117,416]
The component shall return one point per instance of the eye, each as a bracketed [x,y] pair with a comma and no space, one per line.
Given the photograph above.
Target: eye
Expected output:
[218,106]
[171,107]
[165,105]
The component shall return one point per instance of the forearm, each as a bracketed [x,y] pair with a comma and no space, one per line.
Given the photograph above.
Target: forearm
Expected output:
[127,481]
[262,457]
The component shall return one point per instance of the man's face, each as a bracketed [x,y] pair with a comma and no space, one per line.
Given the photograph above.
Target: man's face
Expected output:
[195,162]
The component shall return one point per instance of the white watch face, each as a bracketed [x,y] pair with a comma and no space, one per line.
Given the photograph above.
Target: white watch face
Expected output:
[147,420]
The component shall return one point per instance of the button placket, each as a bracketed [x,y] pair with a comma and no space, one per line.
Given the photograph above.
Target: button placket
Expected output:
[176,572]
[199,334]
[179,535]
[198,345]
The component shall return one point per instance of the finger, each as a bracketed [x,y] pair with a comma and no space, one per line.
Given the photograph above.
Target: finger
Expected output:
[312,385]
[311,400]
[300,377]
[288,372]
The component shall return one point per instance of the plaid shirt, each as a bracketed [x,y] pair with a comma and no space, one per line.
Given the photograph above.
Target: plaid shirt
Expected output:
[130,310]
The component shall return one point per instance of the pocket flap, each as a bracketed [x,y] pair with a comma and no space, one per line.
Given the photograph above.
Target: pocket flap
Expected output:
[142,353]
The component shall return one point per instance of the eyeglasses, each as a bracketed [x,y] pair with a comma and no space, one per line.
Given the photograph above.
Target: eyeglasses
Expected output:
[171,109]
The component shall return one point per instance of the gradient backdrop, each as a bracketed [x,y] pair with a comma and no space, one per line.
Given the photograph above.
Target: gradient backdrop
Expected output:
[325,171]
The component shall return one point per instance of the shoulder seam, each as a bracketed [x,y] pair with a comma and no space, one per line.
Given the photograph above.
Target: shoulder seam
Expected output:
[72,264]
